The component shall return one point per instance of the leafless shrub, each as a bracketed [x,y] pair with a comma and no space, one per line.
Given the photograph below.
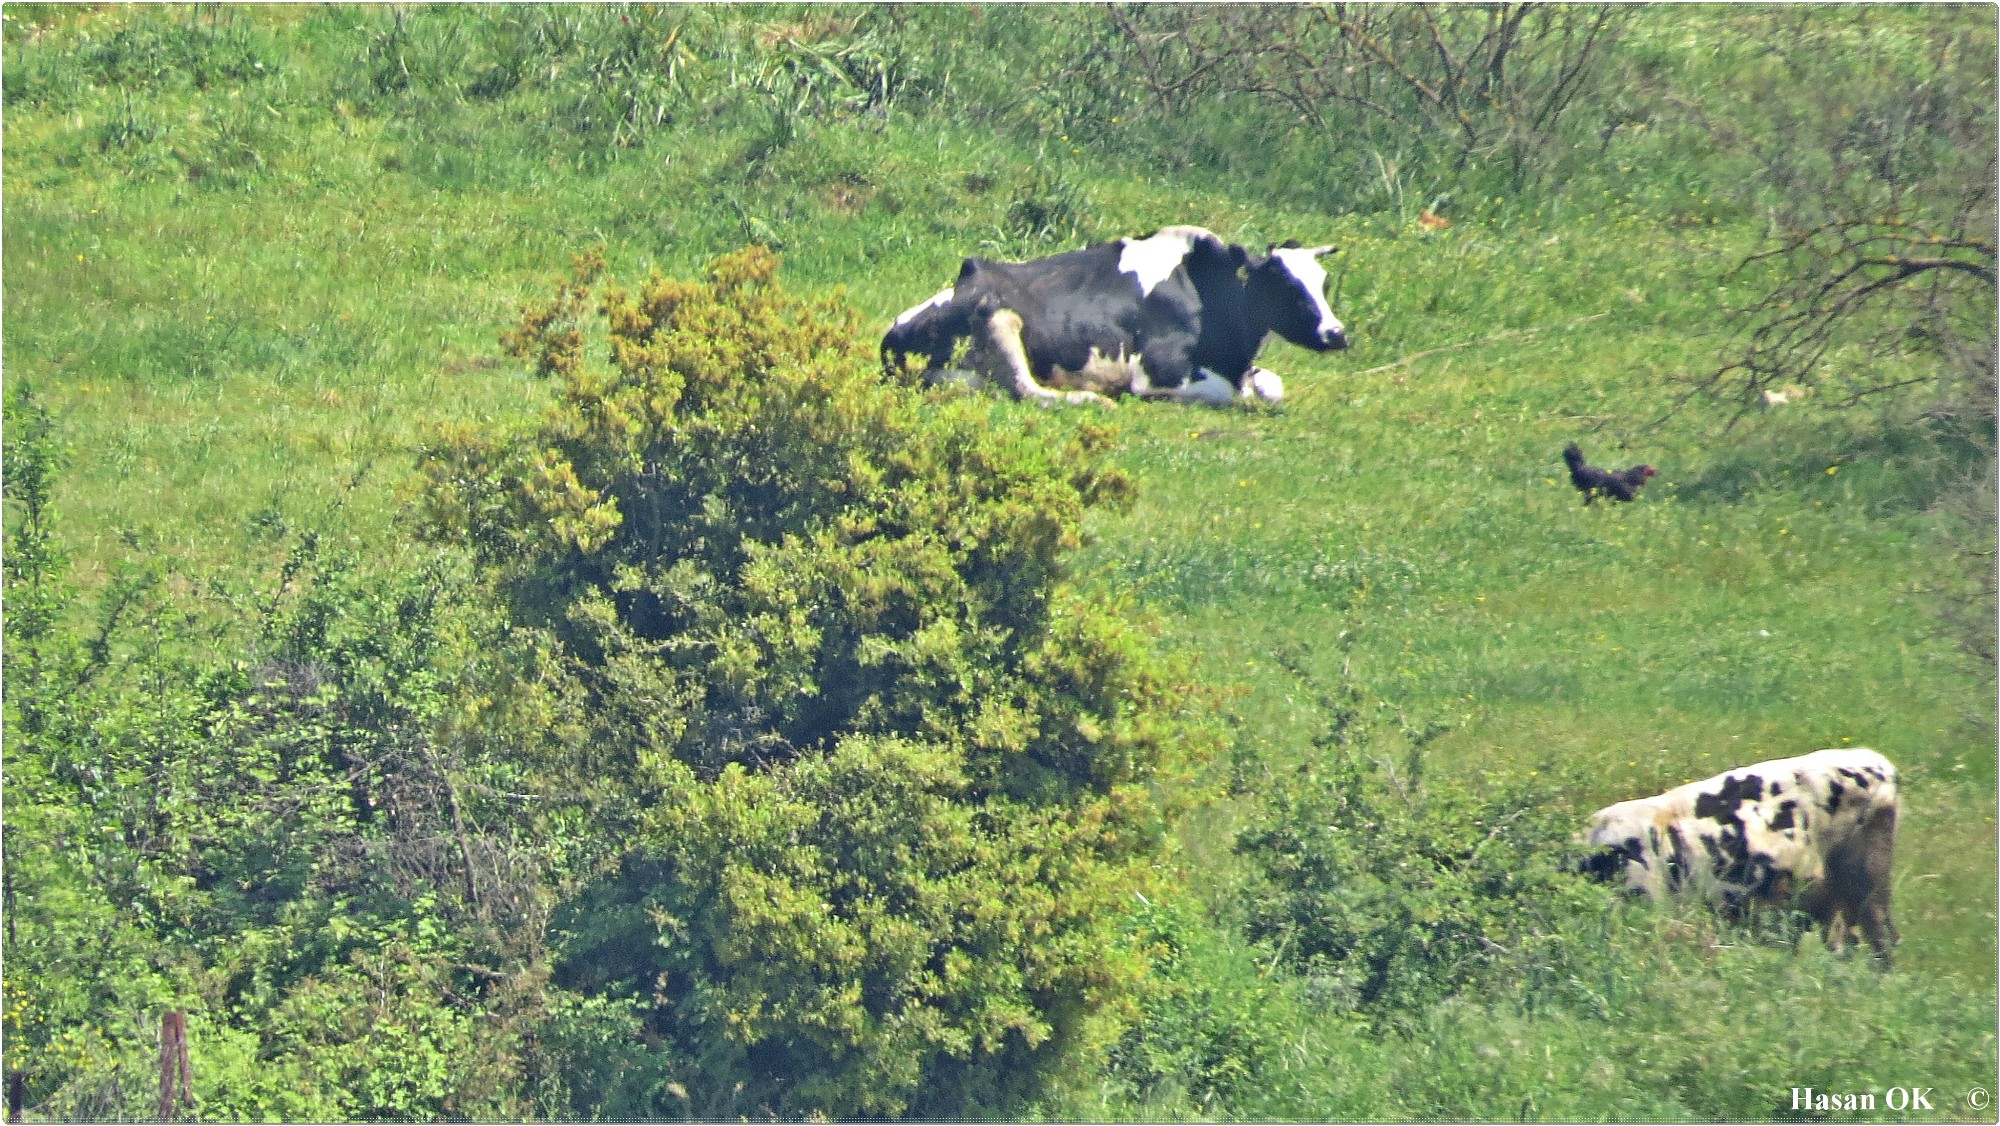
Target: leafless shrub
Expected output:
[1494,81]
[1871,304]
[1881,252]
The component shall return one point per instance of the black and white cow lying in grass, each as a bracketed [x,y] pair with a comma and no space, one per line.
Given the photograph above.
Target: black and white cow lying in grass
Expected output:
[1178,314]
[1819,829]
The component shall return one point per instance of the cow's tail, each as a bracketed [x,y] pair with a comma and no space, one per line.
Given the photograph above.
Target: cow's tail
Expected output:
[932,330]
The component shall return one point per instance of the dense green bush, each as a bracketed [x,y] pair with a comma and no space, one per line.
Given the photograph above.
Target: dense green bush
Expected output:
[1389,891]
[1213,1020]
[1392,893]
[891,768]
[271,841]
[1647,1021]
[868,776]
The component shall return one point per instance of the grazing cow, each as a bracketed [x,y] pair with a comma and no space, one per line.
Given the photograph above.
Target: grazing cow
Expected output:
[1819,827]
[1178,314]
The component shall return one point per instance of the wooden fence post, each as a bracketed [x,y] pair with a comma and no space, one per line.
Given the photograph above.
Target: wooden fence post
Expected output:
[174,1065]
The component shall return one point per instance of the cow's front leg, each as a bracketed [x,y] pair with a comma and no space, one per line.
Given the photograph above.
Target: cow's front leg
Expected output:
[1165,371]
[1003,332]
[1206,388]
[1263,384]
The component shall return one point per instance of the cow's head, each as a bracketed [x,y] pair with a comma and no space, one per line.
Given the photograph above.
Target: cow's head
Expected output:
[1288,288]
[1605,864]
[1616,847]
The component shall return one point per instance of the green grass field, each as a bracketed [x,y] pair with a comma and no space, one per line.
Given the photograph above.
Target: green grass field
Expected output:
[247,298]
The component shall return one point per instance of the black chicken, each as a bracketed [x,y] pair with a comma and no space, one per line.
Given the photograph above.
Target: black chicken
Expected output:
[1622,484]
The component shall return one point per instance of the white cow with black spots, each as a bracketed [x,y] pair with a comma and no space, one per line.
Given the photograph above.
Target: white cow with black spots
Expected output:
[1178,314]
[1818,830]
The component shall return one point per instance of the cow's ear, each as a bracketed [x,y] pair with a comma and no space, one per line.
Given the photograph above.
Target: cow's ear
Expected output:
[1239,257]
[1288,244]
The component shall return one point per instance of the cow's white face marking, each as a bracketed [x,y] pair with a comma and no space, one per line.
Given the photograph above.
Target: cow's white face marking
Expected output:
[943,298]
[1151,259]
[1303,264]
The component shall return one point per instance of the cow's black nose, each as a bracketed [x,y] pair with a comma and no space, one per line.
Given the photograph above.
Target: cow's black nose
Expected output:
[1335,340]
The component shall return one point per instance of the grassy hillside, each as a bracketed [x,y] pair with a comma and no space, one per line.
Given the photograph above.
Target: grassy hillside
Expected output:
[252,256]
